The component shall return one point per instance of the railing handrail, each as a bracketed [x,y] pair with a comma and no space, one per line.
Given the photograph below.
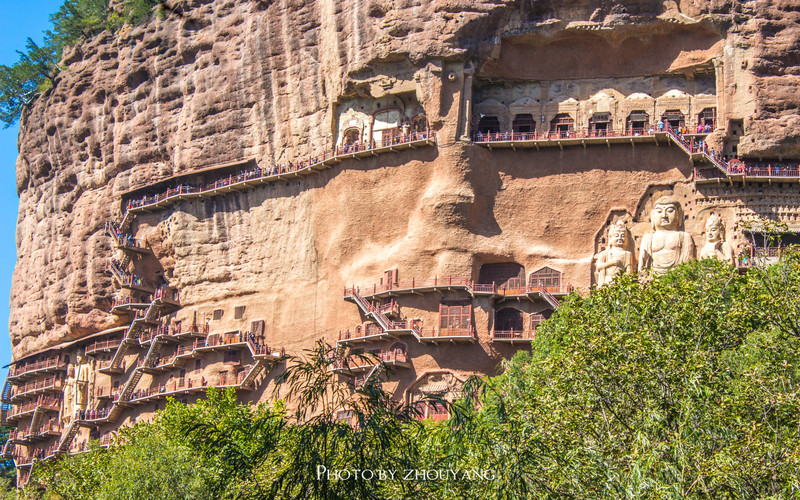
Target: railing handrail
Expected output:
[275,171]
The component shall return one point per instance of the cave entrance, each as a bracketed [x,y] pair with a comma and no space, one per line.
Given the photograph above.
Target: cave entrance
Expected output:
[508,319]
[351,136]
[489,125]
[562,124]
[674,118]
[600,124]
[637,122]
[524,124]
[547,278]
[707,119]
[502,274]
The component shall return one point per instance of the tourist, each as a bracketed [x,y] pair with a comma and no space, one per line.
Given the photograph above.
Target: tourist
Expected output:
[661,125]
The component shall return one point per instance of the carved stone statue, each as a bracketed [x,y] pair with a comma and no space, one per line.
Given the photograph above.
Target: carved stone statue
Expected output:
[716,247]
[666,246]
[615,259]
[68,401]
[84,382]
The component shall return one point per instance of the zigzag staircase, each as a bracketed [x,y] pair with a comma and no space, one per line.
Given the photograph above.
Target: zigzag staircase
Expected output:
[374,372]
[254,372]
[7,450]
[549,297]
[7,389]
[150,359]
[68,436]
[383,321]
[37,416]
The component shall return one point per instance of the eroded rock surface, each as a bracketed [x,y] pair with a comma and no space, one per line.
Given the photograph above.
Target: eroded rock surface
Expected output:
[218,81]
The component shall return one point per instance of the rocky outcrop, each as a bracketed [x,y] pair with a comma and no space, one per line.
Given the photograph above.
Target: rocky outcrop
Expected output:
[217,81]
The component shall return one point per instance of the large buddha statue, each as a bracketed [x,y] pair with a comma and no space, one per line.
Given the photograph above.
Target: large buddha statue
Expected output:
[716,247]
[615,259]
[666,246]
[84,383]
[68,400]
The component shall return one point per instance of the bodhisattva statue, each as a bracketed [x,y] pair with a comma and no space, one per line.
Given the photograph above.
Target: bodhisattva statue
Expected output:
[666,246]
[68,401]
[83,382]
[615,259]
[716,247]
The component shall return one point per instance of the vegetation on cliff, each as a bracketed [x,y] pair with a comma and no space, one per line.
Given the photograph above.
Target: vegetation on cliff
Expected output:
[687,386]
[74,22]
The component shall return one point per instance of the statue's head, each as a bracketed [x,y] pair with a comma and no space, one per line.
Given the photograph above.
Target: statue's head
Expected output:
[715,228]
[666,214]
[80,358]
[617,234]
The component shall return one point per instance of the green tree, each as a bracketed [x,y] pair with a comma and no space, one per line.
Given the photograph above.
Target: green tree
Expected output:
[375,434]
[75,21]
[682,387]
[147,461]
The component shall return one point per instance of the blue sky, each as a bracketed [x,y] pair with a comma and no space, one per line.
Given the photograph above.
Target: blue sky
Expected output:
[19,21]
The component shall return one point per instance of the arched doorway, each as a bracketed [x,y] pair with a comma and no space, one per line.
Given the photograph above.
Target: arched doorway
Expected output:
[637,122]
[502,274]
[562,124]
[509,319]
[489,125]
[674,118]
[600,124]
[547,278]
[524,124]
[351,136]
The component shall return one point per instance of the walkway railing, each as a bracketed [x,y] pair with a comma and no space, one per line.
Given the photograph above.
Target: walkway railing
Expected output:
[453,282]
[563,134]
[102,345]
[43,364]
[691,143]
[37,385]
[276,171]
[513,334]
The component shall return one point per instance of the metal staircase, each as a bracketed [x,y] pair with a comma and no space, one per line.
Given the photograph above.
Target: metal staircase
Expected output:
[37,416]
[7,390]
[374,372]
[68,436]
[549,297]
[254,372]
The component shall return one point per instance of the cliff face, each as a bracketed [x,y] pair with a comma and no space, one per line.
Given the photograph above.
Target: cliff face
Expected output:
[217,81]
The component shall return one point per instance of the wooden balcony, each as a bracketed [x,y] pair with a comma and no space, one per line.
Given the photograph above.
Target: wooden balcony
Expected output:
[103,346]
[252,177]
[512,336]
[29,370]
[359,363]
[36,387]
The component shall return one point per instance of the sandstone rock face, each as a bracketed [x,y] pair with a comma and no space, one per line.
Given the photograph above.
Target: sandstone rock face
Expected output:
[218,81]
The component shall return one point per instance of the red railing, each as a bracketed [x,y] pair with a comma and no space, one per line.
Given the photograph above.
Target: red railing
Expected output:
[50,402]
[258,173]
[355,361]
[451,281]
[563,134]
[42,364]
[513,334]
[51,425]
[128,299]
[102,345]
[47,383]
[690,142]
